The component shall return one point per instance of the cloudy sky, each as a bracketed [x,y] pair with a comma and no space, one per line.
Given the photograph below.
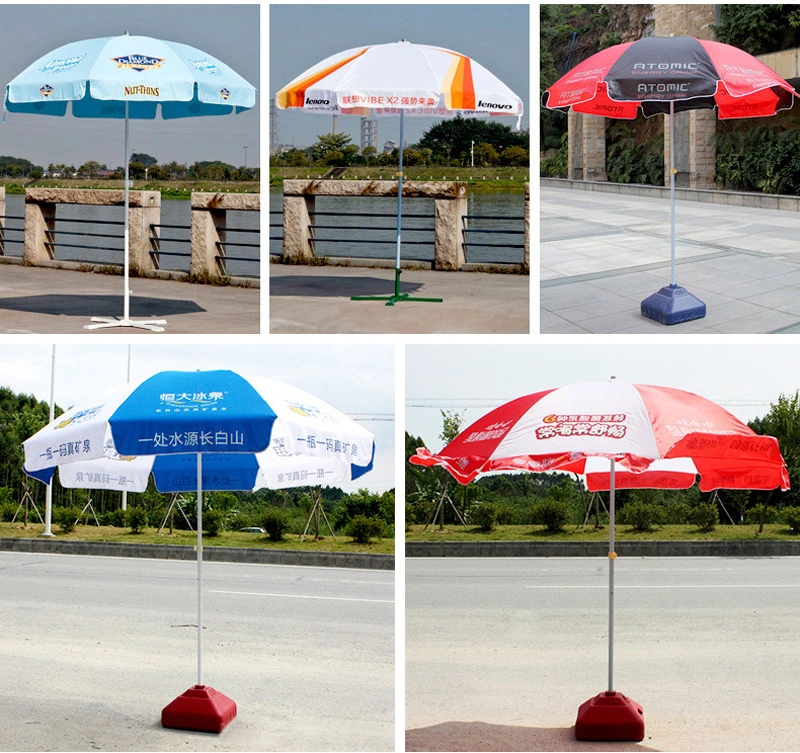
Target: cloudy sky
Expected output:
[496,36]
[356,379]
[745,379]
[29,31]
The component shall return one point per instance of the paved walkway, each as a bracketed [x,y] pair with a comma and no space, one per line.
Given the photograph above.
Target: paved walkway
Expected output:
[310,300]
[603,253]
[58,301]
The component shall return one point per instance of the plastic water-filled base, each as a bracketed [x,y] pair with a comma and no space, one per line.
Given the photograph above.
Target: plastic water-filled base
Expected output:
[201,708]
[610,716]
[673,305]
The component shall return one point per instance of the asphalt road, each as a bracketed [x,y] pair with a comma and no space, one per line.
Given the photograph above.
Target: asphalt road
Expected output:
[92,648]
[501,652]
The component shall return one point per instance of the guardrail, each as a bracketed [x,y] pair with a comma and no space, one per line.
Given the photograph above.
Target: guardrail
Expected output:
[204,246]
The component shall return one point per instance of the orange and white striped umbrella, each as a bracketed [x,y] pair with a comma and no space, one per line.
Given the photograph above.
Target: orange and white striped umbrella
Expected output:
[384,79]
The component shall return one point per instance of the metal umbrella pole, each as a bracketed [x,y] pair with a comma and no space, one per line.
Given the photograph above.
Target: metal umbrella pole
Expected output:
[612,556]
[199,570]
[673,274]
[103,322]
[398,296]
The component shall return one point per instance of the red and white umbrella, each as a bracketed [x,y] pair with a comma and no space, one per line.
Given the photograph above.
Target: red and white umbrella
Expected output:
[656,436]
[665,75]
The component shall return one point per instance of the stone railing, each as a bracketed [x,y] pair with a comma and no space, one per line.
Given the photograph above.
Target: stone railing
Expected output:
[209,220]
[40,217]
[450,205]
[208,225]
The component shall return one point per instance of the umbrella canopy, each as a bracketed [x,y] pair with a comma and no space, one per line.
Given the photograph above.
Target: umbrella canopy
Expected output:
[667,75]
[397,79]
[252,433]
[401,77]
[649,74]
[128,77]
[635,424]
[200,430]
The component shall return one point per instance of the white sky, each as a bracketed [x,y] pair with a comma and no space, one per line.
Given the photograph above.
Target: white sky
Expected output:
[356,379]
[745,379]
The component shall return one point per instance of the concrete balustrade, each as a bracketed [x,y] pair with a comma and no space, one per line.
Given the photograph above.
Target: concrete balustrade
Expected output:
[40,215]
[209,222]
[450,206]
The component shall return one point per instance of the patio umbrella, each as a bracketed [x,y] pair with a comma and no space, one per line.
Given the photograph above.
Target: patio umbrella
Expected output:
[399,78]
[201,430]
[630,426]
[128,77]
[665,75]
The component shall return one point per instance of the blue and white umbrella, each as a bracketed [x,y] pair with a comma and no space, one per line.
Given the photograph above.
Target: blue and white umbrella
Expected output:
[201,430]
[128,77]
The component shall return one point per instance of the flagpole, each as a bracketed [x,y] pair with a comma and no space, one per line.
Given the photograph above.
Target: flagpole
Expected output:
[48,494]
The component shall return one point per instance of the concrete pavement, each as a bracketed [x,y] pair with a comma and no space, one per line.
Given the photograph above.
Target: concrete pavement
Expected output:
[310,300]
[93,648]
[60,301]
[501,652]
[603,253]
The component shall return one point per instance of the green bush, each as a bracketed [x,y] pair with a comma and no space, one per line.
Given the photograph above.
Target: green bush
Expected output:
[363,529]
[484,516]
[275,522]
[553,514]
[791,516]
[641,516]
[756,513]
[705,516]
[677,513]
[117,518]
[66,517]
[213,521]
[7,511]
[136,518]
[506,514]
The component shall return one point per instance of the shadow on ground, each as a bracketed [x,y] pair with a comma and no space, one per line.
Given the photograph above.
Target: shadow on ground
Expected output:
[480,736]
[98,305]
[339,287]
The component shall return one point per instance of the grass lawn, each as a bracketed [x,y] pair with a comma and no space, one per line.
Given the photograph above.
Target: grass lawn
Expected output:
[623,533]
[226,538]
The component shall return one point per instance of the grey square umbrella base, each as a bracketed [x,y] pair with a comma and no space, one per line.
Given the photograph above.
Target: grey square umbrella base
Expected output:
[673,305]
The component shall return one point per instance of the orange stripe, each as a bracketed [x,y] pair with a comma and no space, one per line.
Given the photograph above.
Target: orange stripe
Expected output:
[295,96]
[459,88]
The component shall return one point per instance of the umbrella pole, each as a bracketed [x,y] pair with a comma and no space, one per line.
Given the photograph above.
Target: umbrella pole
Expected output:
[199,570]
[104,322]
[398,296]
[612,556]
[672,304]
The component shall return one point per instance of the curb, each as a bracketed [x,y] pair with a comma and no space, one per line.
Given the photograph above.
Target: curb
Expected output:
[780,548]
[210,553]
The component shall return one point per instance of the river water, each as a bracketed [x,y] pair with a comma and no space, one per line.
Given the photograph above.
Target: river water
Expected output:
[377,236]
[172,213]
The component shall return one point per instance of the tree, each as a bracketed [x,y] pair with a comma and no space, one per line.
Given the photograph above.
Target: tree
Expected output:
[145,159]
[89,169]
[452,139]
[334,148]
[515,156]
[485,155]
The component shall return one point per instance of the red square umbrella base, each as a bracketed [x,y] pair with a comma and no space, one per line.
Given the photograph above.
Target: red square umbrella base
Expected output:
[610,716]
[201,708]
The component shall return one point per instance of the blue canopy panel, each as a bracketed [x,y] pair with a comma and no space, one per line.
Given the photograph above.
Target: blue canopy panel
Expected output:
[176,412]
[356,471]
[228,472]
[45,474]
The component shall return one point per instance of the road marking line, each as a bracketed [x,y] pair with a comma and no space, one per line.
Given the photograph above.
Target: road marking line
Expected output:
[710,585]
[301,596]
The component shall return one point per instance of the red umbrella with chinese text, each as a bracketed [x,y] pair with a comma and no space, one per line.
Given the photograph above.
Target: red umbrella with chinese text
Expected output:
[632,426]
[665,75]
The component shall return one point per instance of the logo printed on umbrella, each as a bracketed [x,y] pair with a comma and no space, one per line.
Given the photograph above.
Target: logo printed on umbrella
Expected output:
[665,66]
[140,90]
[46,90]
[138,63]
[206,66]
[494,105]
[224,93]
[493,431]
[609,425]
[79,417]
[63,64]
[190,401]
